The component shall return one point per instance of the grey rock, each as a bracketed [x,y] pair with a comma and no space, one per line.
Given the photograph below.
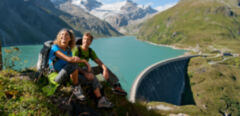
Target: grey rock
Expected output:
[90,4]
[129,12]
[225,11]
[87,22]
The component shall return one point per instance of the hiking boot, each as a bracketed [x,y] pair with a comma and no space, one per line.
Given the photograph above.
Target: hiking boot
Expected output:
[104,103]
[118,90]
[77,91]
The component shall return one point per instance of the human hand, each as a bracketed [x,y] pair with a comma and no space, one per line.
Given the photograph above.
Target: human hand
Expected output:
[76,59]
[89,76]
[89,67]
[105,73]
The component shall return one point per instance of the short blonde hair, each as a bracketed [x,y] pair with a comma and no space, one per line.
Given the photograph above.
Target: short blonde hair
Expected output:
[71,43]
[88,34]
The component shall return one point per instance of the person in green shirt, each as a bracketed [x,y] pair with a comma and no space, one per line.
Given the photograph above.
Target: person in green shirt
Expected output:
[84,51]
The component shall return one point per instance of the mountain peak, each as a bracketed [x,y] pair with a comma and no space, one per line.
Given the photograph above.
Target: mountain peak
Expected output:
[87,4]
[130,2]
[149,9]
[129,6]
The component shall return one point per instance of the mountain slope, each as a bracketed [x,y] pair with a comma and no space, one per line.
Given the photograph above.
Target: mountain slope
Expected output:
[205,23]
[29,99]
[27,23]
[84,21]
[35,21]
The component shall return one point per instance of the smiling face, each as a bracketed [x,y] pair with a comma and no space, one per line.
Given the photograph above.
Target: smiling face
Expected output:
[64,39]
[86,41]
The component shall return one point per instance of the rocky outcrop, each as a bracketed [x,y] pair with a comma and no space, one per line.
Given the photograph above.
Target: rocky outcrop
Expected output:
[83,21]
[227,11]
[130,11]
[118,14]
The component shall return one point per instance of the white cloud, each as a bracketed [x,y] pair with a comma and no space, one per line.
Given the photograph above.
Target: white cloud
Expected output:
[165,7]
[109,1]
[149,4]
[146,5]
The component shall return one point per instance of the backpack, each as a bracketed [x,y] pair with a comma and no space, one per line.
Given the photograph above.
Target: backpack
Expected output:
[42,63]
[79,42]
[80,52]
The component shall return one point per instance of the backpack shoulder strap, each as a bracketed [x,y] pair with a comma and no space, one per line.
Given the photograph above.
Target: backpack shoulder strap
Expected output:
[79,52]
[90,52]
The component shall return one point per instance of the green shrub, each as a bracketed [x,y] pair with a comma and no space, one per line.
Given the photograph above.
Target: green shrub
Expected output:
[11,57]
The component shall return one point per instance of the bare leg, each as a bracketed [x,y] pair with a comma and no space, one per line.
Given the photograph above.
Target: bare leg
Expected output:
[113,80]
[74,77]
[97,93]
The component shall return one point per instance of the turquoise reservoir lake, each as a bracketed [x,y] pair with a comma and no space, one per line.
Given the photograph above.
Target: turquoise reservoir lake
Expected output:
[125,56]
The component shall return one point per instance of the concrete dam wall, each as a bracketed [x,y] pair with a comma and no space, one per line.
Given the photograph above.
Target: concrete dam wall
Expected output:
[165,81]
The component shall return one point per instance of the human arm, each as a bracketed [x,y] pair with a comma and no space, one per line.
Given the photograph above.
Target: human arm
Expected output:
[70,59]
[75,52]
[73,59]
[105,70]
[56,51]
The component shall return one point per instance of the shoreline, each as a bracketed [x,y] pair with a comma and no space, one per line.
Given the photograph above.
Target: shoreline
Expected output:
[41,43]
[188,50]
[17,45]
[163,45]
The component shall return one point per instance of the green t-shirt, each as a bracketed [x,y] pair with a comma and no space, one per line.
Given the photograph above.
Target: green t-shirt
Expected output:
[85,55]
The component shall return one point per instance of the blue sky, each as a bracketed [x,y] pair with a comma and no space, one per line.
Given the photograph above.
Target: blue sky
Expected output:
[153,3]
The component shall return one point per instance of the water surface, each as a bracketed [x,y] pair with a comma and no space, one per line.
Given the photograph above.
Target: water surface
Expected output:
[125,56]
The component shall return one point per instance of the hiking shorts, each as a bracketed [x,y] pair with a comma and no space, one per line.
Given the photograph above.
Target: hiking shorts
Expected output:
[64,74]
[84,81]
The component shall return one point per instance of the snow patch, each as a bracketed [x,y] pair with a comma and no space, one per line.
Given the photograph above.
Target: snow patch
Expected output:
[108,9]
